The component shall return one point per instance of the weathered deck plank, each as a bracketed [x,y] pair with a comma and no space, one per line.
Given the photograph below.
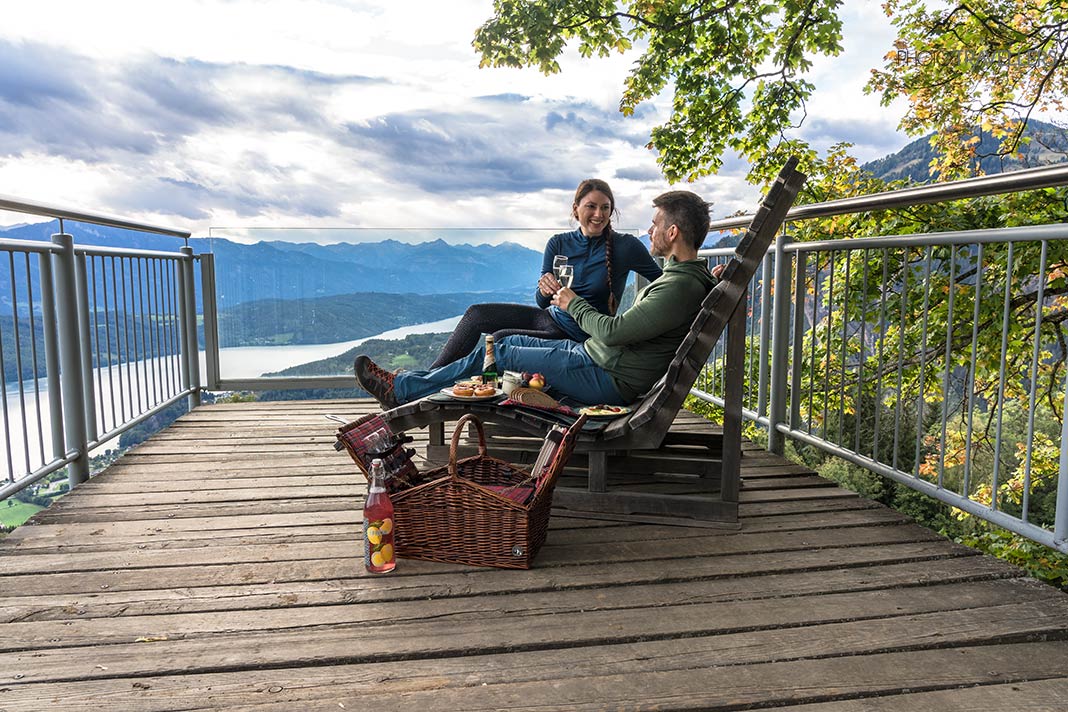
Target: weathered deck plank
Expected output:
[218,566]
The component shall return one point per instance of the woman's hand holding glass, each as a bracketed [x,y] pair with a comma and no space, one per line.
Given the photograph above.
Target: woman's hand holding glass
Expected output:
[549,284]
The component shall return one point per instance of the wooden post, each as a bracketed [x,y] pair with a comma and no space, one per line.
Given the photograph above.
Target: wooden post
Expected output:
[732,402]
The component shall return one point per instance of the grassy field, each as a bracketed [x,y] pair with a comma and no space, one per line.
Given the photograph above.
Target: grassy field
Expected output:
[18,513]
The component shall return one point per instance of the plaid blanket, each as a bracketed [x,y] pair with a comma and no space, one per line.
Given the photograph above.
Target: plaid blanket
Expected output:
[353,437]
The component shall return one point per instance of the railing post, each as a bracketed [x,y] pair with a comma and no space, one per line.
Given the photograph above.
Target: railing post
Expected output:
[797,364]
[779,345]
[66,295]
[765,333]
[51,343]
[85,338]
[188,320]
[1060,516]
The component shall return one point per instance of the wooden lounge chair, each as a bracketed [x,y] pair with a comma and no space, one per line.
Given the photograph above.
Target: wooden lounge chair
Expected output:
[647,426]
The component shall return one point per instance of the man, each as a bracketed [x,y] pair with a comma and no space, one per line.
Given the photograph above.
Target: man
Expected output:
[625,354]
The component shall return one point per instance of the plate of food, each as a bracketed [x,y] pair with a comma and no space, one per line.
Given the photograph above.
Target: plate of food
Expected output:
[472,391]
[604,411]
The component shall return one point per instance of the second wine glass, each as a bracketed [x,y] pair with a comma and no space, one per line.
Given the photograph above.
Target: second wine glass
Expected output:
[567,275]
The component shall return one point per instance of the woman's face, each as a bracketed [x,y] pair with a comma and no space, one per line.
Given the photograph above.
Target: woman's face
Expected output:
[593,212]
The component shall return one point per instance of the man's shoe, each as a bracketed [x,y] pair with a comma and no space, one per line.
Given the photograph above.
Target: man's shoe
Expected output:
[376,381]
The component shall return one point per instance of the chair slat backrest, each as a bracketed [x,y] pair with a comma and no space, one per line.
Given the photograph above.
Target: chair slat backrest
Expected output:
[657,410]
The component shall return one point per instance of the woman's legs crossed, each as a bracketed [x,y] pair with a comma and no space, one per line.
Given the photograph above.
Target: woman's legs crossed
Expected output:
[496,319]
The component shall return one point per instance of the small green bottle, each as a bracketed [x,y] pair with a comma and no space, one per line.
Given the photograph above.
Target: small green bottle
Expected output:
[489,365]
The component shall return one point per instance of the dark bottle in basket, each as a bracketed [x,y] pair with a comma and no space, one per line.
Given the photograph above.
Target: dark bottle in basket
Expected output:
[489,365]
[378,554]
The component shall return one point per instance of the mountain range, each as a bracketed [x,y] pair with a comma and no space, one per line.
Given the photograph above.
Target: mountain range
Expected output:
[1044,144]
[291,270]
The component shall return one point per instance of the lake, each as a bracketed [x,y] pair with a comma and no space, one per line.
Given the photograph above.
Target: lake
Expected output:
[254,361]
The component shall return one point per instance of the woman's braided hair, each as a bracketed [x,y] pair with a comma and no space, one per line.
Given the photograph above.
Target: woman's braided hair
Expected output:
[588,186]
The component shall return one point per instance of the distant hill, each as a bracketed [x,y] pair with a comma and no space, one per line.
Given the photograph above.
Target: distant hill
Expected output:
[325,320]
[416,351]
[286,270]
[1049,144]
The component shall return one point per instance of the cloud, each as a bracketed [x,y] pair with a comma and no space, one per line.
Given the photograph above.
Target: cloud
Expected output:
[639,173]
[868,136]
[329,112]
[36,76]
[503,143]
[59,103]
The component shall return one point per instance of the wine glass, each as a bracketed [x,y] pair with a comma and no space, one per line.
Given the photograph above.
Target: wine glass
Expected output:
[567,275]
[377,443]
[559,261]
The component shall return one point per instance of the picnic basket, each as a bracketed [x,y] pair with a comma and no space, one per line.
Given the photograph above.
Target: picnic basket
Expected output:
[463,514]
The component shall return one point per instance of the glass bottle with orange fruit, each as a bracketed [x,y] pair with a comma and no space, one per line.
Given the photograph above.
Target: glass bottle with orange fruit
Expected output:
[378,554]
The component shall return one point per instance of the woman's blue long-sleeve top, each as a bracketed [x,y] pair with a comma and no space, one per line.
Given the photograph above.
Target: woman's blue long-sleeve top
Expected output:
[587,256]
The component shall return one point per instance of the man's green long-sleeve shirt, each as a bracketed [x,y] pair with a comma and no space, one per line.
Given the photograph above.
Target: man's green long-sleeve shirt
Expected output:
[636,347]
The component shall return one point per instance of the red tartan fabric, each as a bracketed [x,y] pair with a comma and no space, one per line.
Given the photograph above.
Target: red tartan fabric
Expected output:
[516,493]
[354,437]
[562,409]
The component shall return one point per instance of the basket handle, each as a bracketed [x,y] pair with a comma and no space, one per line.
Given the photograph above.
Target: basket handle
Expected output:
[456,433]
[563,453]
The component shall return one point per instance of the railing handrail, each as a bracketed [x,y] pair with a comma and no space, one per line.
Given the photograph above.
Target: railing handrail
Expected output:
[1012,182]
[19,205]
[127,252]
[1038,233]
[28,246]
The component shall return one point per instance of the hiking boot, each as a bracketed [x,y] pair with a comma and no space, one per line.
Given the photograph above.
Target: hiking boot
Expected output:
[376,381]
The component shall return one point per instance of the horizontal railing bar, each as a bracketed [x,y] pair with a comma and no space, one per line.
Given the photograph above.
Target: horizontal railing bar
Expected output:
[115,432]
[1015,181]
[747,414]
[28,246]
[36,476]
[716,252]
[999,518]
[285,384]
[19,205]
[124,252]
[1037,233]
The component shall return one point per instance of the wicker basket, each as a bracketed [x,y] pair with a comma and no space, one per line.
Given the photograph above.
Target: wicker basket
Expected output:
[456,518]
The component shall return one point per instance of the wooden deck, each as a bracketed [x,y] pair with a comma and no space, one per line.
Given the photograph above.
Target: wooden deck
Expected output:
[217,566]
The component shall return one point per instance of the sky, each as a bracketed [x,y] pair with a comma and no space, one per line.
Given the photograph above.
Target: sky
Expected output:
[213,115]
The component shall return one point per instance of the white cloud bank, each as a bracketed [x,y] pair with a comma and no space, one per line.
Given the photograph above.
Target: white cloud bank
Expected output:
[328,113]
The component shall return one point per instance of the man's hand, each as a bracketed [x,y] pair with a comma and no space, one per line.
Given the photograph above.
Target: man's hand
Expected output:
[549,284]
[563,297]
[718,270]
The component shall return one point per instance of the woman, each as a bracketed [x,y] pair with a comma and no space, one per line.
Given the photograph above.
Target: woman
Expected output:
[602,260]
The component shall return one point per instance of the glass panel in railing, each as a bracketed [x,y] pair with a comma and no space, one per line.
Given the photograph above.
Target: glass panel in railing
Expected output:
[304,302]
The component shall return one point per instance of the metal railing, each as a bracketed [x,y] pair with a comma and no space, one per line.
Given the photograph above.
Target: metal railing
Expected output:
[935,360]
[844,356]
[93,341]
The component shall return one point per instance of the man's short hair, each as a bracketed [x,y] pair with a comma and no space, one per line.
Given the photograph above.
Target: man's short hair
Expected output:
[688,212]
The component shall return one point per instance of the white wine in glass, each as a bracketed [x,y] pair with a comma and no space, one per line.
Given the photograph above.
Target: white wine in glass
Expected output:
[567,275]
